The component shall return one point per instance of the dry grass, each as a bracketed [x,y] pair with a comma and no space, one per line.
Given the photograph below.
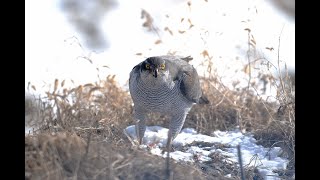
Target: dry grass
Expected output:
[68,156]
[102,108]
[281,130]
[85,139]
[229,109]
[80,132]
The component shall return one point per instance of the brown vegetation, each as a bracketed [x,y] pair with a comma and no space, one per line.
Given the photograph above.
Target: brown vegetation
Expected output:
[79,132]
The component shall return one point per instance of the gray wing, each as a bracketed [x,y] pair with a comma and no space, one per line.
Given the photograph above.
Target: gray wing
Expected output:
[135,70]
[181,70]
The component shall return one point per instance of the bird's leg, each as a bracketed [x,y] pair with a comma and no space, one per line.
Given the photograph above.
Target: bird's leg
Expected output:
[140,129]
[176,124]
[140,125]
[169,142]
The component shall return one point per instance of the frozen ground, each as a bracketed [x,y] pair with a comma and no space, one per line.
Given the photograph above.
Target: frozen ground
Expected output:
[218,28]
[265,159]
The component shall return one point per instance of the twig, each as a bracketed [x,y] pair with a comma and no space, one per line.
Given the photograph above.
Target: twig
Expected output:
[264,104]
[263,59]
[279,69]
[168,166]
[169,146]
[240,162]
[249,63]
[83,157]
[223,94]
[88,128]
[130,139]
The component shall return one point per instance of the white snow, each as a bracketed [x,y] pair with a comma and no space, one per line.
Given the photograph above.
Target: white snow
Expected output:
[218,28]
[265,159]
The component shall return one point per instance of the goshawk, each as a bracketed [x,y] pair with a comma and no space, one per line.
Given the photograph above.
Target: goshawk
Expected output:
[167,85]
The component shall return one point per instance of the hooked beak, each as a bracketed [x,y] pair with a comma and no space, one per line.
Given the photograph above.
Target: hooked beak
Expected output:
[155,72]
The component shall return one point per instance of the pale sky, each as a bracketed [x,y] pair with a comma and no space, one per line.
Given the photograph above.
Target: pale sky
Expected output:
[218,27]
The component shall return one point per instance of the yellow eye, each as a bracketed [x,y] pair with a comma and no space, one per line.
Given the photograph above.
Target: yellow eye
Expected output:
[147,66]
[162,66]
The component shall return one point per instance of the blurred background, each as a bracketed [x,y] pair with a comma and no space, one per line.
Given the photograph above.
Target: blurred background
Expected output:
[79,55]
[81,41]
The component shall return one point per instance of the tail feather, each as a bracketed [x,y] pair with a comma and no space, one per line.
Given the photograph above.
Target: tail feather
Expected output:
[188,58]
[203,100]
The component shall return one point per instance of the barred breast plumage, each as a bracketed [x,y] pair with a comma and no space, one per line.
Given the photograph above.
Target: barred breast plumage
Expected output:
[164,84]
[163,98]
